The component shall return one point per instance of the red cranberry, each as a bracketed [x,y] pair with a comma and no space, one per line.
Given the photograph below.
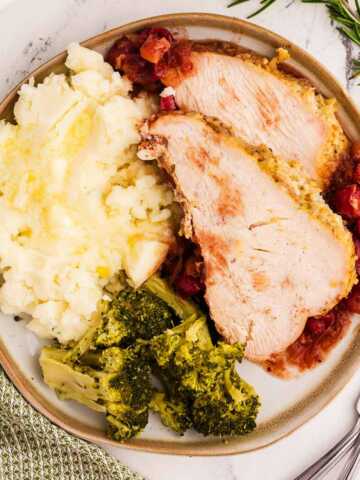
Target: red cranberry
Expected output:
[168,103]
[317,326]
[125,45]
[157,32]
[141,36]
[138,70]
[356,173]
[357,253]
[175,63]
[153,49]
[162,32]
[121,48]
[161,67]
[357,228]
[353,300]
[355,151]
[347,201]
[171,78]
[182,54]
[329,318]
[188,285]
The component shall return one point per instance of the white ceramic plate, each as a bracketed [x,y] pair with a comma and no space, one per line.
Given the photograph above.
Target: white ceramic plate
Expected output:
[285,404]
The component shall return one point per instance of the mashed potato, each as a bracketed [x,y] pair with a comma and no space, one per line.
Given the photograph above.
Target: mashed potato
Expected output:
[76,205]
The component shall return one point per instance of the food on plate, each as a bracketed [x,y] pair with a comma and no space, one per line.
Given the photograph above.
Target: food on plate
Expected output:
[142,314]
[258,244]
[321,333]
[319,337]
[151,58]
[110,372]
[117,385]
[176,184]
[265,106]
[250,94]
[202,378]
[173,413]
[77,205]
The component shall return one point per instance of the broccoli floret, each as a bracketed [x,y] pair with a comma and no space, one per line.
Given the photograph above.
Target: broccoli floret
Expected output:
[186,339]
[132,315]
[115,381]
[209,367]
[69,382]
[160,287]
[131,385]
[137,333]
[108,369]
[177,353]
[129,392]
[122,375]
[86,343]
[228,409]
[142,314]
[125,422]
[173,413]
[203,377]
[186,356]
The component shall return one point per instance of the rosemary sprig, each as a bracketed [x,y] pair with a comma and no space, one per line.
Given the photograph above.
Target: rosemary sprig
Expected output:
[264,5]
[339,11]
[355,68]
[236,2]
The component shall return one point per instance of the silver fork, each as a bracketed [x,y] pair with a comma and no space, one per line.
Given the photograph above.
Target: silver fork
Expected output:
[333,456]
[352,467]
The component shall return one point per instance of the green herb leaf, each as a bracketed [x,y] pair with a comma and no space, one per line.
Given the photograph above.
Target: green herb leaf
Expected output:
[339,11]
[236,2]
[355,68]
[265,4]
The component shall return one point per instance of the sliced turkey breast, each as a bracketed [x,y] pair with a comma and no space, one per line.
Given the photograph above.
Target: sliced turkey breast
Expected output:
[274,253]
[265,106]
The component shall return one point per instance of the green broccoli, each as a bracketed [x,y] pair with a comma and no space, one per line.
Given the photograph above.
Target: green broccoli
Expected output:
[153,330]
[123,376]
[187,358]
[174,414]
[132,315]
[115,381]
[203,377]
[160,287]
[76,349]
[124,422]
[107,369]
[191,334]
[128,392]
[228,409]
[68,381]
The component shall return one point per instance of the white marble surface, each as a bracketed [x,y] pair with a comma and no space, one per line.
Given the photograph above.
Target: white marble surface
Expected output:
[32,31]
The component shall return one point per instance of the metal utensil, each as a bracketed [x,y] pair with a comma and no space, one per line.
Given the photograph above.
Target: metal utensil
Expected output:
[352,466]
[333,456]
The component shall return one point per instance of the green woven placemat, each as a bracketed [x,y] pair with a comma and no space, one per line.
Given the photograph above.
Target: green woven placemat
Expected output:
[32,448]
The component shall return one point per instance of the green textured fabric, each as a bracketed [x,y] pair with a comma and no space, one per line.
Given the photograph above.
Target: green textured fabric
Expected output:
[32,448]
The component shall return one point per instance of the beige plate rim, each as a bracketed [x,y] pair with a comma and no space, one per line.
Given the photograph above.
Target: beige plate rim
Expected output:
[342,372]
